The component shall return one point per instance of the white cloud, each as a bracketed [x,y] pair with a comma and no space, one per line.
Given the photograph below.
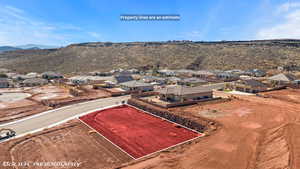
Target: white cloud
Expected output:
[289,26]
[95,35]
[288,6]
[19,28]
[194,35]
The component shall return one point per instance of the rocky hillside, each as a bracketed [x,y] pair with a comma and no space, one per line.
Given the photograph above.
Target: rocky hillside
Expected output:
[86,57]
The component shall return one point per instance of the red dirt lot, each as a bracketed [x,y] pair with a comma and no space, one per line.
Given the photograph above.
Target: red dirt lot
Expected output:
[290,95]
[70,142]
[255,133]
[137,132]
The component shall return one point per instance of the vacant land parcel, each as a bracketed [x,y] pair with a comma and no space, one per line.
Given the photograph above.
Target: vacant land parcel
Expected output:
[137,132]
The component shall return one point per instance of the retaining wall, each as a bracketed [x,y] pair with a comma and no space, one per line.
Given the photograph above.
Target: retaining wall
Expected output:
[167,115]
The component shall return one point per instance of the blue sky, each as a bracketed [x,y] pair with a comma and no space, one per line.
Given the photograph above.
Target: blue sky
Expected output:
[61,22]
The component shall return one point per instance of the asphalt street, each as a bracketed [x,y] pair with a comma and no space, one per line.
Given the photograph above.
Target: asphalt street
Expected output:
[57,116]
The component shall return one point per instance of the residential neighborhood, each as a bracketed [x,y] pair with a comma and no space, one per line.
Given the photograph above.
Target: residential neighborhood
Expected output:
[172,84]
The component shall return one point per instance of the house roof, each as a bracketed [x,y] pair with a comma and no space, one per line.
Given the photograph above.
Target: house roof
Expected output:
[91,78]
[35,80]
[254,83]
[184,71]
[237,71]
[194,80]
[52,74]
[173,79]
[135,83]
[181,90]
[165,71]
[123,78]
[283,77]
[203,72]
[153,78]
[227,74]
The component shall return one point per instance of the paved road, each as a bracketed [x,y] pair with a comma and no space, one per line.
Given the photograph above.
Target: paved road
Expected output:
[56,116]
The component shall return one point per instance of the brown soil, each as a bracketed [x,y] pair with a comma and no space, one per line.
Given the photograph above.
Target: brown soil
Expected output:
[291,95]
[49,92]
[95,93]
[7,115]
[16,104]
[255,133]
[70,142]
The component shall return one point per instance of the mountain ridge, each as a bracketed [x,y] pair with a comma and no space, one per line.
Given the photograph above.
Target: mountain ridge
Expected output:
[104,56]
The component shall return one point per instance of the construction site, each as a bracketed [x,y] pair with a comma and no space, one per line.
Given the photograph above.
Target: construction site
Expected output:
[237,131]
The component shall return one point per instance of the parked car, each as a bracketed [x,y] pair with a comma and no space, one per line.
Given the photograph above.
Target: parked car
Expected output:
[6,134]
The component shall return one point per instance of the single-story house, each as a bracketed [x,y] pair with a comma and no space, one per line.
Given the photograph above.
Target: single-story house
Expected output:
[192,81]
[4,83]
[166,72]
[34,82]
[83,80]
[203,74]
[281,79]
[95,73]
[249,86]
[150,79]
[225,76]
[136,86]
[122,78]
[236,71]
[184,72]
[32,75]
[256,73]
[173,80]
[133,71]
[51,75]
[182,93]
[297,82]
[19,77]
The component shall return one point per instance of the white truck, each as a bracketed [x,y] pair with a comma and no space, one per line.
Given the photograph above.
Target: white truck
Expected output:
[6,134]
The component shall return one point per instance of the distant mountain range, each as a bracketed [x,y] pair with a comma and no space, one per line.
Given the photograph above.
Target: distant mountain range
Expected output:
[25,47]
[104,56]
[7,48]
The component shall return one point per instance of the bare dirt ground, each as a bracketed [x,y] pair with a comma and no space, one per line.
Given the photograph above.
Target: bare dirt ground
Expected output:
[291,95]
[70,142]
[7,115]
[49,92]
[95,93]
[255,133]
[15,105]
